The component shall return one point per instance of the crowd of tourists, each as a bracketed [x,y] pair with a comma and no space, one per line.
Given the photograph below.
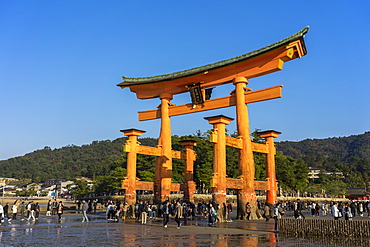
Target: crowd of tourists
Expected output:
[143,211]
[28,210]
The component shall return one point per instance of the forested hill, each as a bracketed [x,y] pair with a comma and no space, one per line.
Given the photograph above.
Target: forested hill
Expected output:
[317,152]
[348,154]
[68,162]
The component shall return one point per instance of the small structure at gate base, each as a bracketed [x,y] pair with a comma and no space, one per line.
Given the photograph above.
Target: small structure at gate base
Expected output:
[199,82]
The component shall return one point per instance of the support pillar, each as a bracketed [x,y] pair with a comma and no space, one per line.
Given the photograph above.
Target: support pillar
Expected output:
[218,137]
[246,160]
[129,182]
[269,135]
[190,185]
[163,174]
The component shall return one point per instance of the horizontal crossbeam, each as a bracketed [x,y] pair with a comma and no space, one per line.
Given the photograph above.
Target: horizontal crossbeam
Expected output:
[250,97]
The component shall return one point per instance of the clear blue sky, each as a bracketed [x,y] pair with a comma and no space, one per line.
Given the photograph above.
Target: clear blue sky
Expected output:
[60,62]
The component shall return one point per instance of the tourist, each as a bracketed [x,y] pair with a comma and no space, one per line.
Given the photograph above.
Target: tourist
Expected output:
[312,207]
[95,204]
[59,210]
[84,211]
[37,210]
[54,206]
[48,208]
[323,208]
[166,213]
[353,207]
[347,212]
[186,212]
[125,212]
[248,210]
[266,211]
[229,210]
[317,209]
[276,214]
[178,214]
[140,210]
[27,210]
[212,214]
[335,211]
[154,211]
[112,210]
[90,207]
[15,210]
[31,210]
[298,208]
[6,211]
[361,209]
[144,212]
[1,213]
[117,211]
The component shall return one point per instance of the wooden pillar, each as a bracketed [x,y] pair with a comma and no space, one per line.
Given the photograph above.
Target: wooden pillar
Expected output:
[218,137]
[129,183]
[269,136]
[246,160]
[163,174]
[190,185]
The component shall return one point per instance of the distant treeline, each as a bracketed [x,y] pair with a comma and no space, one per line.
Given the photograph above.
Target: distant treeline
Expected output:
[350,155]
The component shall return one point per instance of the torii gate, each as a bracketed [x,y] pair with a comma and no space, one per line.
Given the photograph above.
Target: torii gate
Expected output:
[198,80]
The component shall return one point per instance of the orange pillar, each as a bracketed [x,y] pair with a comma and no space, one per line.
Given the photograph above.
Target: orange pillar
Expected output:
[269,136]
[190,185]
[163,174]
[218,137]
[129,183]
[246,160]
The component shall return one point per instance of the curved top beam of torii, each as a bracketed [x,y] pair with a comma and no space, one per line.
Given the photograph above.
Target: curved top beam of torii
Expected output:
[249,65]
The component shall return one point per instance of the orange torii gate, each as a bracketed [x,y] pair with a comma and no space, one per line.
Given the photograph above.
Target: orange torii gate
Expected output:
[199,81]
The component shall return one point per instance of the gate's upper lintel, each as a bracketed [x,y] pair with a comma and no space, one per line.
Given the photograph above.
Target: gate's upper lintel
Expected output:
[253,64]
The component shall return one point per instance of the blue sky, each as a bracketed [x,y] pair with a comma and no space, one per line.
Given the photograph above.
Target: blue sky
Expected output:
[60,62]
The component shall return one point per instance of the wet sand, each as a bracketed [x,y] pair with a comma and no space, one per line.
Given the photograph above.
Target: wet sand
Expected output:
[99,232]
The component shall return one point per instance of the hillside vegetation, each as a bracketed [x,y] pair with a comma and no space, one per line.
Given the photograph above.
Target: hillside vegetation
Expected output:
[350,155]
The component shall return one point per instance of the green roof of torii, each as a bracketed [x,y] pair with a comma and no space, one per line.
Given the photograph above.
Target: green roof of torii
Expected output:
[131,81]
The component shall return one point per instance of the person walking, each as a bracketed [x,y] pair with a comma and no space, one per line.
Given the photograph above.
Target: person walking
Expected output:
[60,208]
[166,213]
[178,214]
[48,208]
[266,211]
[1,214]
[276,214]
[298,209]
[347,212]
[212,213]
[248,210]
[37,210]
[95,205]
[31,210]
[84,211]
[229,210]
[15,210]
[54,206]
[6,211]
[335,211]
[144,213]
[22,210]
[124,212]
